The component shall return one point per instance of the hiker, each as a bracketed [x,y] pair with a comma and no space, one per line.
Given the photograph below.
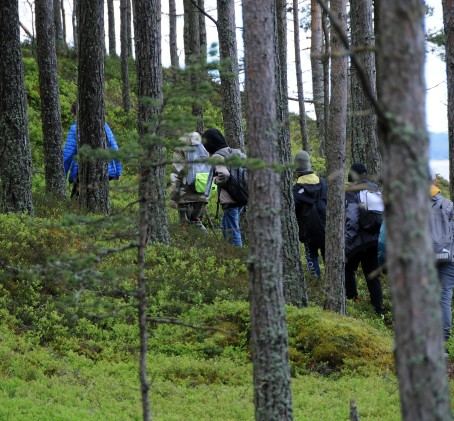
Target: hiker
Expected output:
[70,150]
[217,147]
[445,270]
[310,196]
[183,190]
[362,226]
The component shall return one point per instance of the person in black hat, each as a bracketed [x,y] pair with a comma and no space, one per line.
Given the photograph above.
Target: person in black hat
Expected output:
[361,241]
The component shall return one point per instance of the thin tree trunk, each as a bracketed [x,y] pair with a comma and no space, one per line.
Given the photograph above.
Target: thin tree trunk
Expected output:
[147,27]
[174,60]
[58,31]
[203,32]
[335,154]
[15,154]
[415,289]
[317,61]
[294,283]
[50,99]
[111,24]
[75,24]
[326,80]
[125,88]
[299,78]
[230,86]
[193,57]
[448,19]
[93,176]
[63,15]
[130,43]
[272,394]
[364,140]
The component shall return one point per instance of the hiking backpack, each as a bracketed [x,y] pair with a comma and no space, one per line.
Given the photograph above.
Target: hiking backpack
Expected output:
[198,172]
[311,214]
[371,208]
[442,230]
[236,185]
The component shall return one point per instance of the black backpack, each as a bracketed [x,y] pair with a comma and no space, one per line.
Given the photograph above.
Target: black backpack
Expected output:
[371,210]
[236,185]
[310,205]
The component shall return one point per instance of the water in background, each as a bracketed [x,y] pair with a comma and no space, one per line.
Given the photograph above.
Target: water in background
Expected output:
[441,167]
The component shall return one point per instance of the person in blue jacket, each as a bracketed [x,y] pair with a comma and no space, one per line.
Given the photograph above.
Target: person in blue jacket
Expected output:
[70,150]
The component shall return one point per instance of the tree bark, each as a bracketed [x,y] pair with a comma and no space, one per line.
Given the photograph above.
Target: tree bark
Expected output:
[130,43]
[317,61]
[272,394]
[174,60]
[75,24]
[111,23]
[147,35]
[58,31]
[364,139]
[93,176]
[15,154]
[63,14]
[299,78]
[294,283]
[335,154]
[230,86]
[50,99]
[415,289]
[125,87]
[448,20]
[203,32]
[193,57]
[326,79]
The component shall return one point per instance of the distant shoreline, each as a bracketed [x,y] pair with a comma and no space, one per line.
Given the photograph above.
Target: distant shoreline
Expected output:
[441,167]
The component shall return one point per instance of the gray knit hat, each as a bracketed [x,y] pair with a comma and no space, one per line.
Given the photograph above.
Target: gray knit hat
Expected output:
[303,162]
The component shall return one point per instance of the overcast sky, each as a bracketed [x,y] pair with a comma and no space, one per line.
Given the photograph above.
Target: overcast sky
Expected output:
[436,108]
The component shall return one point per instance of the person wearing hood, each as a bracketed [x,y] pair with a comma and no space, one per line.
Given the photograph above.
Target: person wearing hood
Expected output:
[445,271]
[310,197]
[361,244]
[183,195]
[217,147]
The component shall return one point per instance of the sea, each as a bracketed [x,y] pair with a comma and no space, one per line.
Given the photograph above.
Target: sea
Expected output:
[441,167]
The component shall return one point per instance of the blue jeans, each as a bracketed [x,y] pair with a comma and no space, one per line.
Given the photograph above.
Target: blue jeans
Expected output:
[230,225]
[446,276]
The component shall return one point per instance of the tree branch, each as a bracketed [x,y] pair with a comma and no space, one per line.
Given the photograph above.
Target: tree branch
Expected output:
[29,34]
[203,12]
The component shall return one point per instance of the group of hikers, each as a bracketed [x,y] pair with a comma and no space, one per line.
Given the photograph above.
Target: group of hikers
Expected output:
[193,180]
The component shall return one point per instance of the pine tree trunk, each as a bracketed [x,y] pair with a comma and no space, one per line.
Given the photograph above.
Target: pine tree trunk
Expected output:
[317,70]
[448,19]
[335,158]
[147,35]
[203,32]
[326,80]
[192,43]
[111,19]
[63,14]
[230,86]
[130,43]
[299,78]
[173,35]
[93,176]
[415,289]
[272,394]
[294,282]
[125,88]
[58,27]
[75,24]
[15,154]
[364,139]
[50,99]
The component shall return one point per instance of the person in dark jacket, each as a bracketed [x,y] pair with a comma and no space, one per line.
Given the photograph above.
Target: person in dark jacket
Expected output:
[217,147]
[310,197]
[70,150]
[361,245]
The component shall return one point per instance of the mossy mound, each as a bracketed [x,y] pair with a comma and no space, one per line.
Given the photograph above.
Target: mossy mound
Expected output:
[319,341]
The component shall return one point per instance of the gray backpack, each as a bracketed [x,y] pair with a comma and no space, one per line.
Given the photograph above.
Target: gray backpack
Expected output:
[442,231]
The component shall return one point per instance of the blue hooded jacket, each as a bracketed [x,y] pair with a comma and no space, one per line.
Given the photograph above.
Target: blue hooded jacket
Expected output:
[70,150]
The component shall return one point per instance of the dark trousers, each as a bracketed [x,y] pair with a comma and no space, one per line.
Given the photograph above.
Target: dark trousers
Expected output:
[369,264]
[311,253]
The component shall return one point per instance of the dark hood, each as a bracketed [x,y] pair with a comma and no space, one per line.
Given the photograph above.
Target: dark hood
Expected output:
[214,140]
